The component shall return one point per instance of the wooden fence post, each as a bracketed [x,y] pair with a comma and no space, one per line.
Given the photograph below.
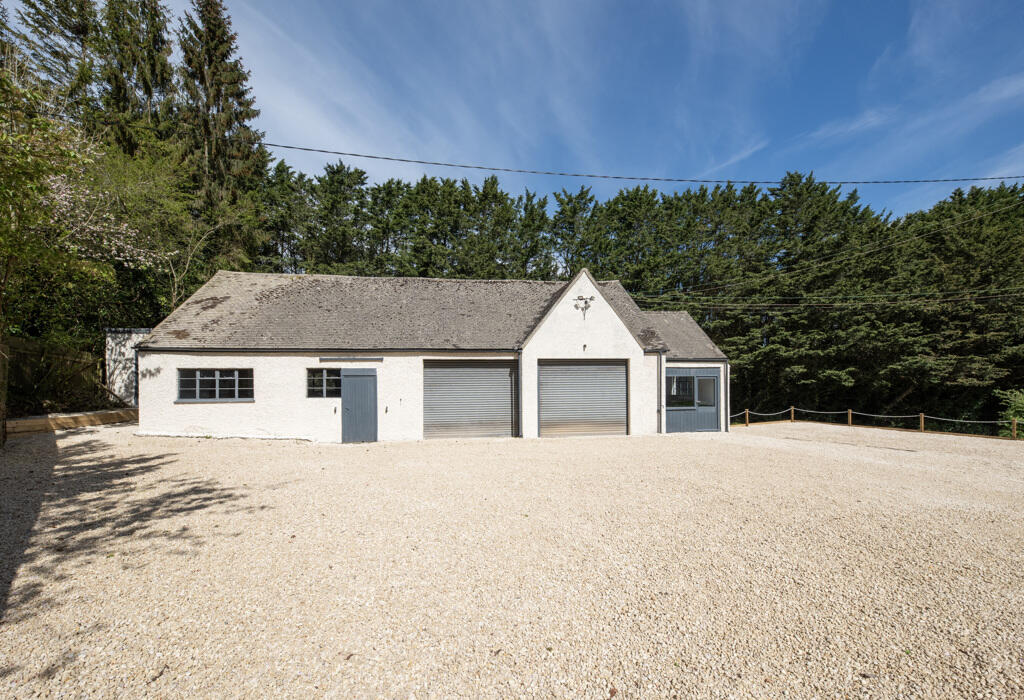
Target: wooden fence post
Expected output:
[792,414]
[849,416]
[921,418]
[1013,428]
[746,417]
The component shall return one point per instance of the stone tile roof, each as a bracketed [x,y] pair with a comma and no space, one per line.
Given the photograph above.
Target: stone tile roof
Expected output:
[257,311]
[685,340]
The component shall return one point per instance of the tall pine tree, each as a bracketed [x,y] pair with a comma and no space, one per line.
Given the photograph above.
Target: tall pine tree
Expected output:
[135,72]
[217,108]
[60,41]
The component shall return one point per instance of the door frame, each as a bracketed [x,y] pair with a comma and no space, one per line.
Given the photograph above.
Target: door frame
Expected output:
[359,372]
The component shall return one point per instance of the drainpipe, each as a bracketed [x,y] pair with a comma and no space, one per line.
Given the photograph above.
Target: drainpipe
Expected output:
[519,392]
[728,404]
[661,382]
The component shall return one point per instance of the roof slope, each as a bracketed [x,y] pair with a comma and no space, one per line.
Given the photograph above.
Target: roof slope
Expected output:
[685,340]
[258,311]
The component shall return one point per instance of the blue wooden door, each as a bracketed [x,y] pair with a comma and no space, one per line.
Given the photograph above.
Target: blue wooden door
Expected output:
[359,405]
[691,399]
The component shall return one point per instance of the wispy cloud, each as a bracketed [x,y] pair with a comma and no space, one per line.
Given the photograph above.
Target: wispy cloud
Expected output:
[842,128]
[733,50]
[735,158]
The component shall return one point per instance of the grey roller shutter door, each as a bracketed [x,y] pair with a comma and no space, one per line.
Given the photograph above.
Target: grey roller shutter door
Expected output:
[582,398]
[470,399]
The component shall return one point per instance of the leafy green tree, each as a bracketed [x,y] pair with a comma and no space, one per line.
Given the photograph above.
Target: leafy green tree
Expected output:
[33,149]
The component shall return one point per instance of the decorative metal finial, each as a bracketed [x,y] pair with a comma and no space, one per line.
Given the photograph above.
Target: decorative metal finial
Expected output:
[583,303]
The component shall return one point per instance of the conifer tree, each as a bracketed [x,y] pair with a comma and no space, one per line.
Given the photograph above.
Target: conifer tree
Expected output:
[135,73]
[60,42]
[217,108]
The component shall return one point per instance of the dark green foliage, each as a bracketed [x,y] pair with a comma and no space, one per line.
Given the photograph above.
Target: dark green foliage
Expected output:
[1013,410]
[135,75]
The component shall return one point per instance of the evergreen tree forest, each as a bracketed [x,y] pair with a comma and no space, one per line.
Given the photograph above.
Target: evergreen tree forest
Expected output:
[131,170]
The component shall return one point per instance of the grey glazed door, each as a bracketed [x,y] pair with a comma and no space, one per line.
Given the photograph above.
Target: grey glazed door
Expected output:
[359,405]
[691,399]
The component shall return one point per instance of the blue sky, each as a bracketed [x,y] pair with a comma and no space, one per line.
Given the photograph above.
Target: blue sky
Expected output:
[695,88]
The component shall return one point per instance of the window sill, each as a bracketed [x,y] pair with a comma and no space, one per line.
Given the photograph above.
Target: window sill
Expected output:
[215,401]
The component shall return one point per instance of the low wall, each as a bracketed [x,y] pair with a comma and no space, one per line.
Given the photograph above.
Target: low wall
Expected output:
[60,421]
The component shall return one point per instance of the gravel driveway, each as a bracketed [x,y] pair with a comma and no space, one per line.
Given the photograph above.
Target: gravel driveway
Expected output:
[804,558]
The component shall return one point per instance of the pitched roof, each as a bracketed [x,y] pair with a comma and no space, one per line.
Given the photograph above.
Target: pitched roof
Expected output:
[683,337]
[258,311]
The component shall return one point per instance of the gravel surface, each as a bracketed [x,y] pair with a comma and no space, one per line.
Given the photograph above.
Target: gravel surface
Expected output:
[808,559]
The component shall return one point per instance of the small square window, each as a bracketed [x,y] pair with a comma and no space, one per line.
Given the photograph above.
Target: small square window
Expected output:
[323,383]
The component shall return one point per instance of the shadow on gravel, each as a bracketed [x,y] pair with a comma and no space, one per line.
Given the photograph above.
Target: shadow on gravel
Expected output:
[82,500]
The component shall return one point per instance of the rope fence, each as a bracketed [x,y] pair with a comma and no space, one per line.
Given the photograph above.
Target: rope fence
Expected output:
[850,413]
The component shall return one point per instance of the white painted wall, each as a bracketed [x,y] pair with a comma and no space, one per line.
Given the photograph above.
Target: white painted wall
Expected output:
[723,407]
[565,334]
[120,361]
[280,408]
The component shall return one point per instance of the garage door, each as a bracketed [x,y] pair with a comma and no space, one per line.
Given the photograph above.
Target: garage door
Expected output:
[470,399]
[582,398]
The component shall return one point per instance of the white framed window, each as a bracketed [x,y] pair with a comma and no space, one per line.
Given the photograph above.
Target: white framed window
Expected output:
[215,385]
[323,383]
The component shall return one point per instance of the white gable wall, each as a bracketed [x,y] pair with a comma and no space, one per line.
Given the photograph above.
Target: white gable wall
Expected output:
[564,334]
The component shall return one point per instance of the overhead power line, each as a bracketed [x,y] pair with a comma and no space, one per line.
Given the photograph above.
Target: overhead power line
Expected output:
[785,307]
[845,304]
[635,178]
[910,296]
[561,173]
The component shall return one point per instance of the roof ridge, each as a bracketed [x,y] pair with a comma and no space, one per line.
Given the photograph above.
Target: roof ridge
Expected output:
[406,278]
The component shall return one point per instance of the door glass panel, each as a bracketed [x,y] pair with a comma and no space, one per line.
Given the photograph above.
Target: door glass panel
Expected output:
[679,392]
[706,391]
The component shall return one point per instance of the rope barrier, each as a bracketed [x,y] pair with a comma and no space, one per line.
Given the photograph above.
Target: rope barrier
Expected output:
[876,415]
[964,420]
